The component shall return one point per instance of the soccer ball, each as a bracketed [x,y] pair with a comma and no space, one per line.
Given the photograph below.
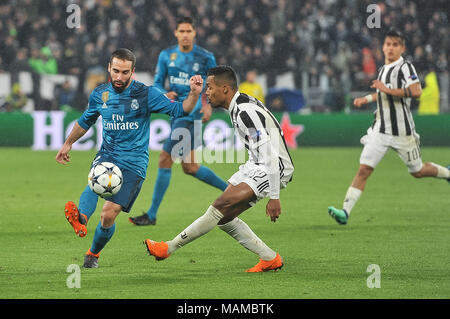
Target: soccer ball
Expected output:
[105,179]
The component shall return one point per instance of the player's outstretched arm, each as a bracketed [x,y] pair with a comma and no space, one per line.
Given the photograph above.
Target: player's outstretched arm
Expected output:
[63,154]
[196,83]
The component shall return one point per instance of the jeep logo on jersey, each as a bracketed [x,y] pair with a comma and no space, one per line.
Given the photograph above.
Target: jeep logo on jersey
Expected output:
[134,104]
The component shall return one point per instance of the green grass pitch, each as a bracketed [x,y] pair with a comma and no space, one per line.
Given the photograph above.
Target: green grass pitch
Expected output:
[400,224]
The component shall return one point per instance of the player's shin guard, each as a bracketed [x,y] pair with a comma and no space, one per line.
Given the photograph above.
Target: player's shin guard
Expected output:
[240,231]
[88,202]
[199,227]
[161,185]
[208,176]
[101,237]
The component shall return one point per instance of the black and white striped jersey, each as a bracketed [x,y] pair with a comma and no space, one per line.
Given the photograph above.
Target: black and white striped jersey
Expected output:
[393,115]
[260,133]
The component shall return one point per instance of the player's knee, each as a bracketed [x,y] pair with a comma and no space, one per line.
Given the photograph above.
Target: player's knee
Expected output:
[416,175]
[224,204]
[109,214]
[107,219]
[420,173]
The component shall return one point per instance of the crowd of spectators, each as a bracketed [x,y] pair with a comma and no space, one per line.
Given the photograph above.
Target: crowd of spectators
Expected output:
[328,40]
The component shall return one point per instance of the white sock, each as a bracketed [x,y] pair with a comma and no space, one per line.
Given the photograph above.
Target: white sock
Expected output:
[240,231]
[442,172]
[199,227]
[351,198]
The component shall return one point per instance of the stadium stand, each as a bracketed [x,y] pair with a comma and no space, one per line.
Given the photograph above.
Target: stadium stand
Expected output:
[323,48]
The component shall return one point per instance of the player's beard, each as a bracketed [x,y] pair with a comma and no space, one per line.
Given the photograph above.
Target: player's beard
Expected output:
[120,89]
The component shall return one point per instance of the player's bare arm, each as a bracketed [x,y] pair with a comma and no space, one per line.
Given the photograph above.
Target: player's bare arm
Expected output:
[270,151]
[360,101]
[414,90]
[63,154]
[196,84]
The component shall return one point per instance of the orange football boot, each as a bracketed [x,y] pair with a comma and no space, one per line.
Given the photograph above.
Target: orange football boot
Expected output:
[157,249]
[266,265]
[77,220]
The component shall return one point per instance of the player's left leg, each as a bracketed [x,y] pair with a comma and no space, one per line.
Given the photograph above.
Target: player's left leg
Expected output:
[412,157]
[240,231]
[159,189]
[431,169]
[225,211]
[243,234]
[79,216]
[88,203]
[374,150]
[201,172]
[103,233]
[122,201]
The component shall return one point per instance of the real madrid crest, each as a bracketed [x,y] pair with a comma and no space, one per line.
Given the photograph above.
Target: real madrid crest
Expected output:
[195,67]
[134,104]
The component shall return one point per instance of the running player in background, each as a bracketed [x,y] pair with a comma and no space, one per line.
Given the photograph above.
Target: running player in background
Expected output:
[178,63]
[268,169]
[393,127]
[130,102]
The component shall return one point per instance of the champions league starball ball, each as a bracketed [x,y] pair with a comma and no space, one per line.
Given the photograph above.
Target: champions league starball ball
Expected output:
[105,179]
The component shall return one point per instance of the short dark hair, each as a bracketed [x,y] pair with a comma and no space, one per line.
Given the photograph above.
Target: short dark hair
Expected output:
[224,73]
[185,20]
[395,33]
[124,54]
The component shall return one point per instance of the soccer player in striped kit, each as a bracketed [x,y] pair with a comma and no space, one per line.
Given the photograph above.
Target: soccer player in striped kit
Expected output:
[268,170]
[397,83]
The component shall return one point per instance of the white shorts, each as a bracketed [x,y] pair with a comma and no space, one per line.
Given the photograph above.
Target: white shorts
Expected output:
[257,178]
[377,144]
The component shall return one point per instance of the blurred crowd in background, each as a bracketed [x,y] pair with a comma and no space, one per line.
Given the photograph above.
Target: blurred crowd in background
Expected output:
[323,44]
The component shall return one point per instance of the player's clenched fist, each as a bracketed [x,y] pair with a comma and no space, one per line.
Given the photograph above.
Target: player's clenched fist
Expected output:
[196,83]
